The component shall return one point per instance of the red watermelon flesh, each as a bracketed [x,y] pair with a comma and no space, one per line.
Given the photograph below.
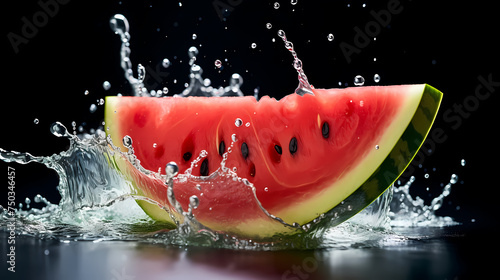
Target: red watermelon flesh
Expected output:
[303,155]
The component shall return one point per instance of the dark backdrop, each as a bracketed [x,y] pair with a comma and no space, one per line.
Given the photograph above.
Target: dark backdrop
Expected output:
[67,48]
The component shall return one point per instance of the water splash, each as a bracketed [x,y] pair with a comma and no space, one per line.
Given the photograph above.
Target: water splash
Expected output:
[304,87]
[119,24]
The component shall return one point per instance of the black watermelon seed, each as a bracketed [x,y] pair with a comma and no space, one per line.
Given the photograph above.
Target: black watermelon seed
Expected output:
[278,149]
[244,150]
[325,130]
[187,156]
[222,147]
[293,145]
[204,168]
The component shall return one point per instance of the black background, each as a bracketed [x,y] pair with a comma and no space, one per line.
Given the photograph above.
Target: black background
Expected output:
[448,45]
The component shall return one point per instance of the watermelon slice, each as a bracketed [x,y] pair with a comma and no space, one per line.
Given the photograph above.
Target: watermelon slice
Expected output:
[296,158]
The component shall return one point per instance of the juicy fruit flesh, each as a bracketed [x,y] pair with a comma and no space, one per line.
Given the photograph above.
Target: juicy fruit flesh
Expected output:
[304,155]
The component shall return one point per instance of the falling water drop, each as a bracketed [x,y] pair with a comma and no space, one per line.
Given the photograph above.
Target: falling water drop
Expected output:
[218,63]
[376,78]
[330,37]
[269,25]
[276,5]
[165,63]
[462,162]
[36,121]
[281,33]
[254,45]
[119,24]
[359,80]
[454,179]
[59,130]
[238,122]
[106,85]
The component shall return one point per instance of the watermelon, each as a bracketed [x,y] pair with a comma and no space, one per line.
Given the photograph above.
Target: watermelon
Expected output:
[296,158]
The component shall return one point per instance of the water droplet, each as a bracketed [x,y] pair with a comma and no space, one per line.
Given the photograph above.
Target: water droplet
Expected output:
[218,63]
[194,201]
[27,201]
[462,162]
[46,252]
[92,108]
[141,72]
[254,45]
[193,52]
[293,2]
[234,138]
[38,198]
[266,189]
[376,78]
[297,64]
[276,5]
[247,124]
[101,101]
[359,80]
[330,37]
[36,121]
[377,147]
[198,187]
[281,33]
[171,169]
[119,24]
[426,176]
[165,63]
[59,130]
[127,141]
[165,90]
[155,145]
[106,85]
[86,92]
[194,36]
[269,25]
[238,122]
[454,179]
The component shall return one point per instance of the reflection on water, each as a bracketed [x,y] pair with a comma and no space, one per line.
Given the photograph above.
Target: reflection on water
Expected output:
[424,255]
